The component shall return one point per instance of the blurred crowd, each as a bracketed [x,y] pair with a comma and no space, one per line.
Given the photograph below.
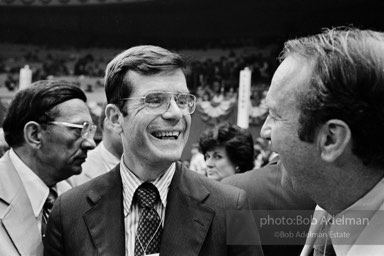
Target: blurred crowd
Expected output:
[211,74]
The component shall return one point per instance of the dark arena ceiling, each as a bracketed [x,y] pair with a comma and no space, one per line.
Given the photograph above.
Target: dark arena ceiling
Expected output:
[45,3]
[121,23]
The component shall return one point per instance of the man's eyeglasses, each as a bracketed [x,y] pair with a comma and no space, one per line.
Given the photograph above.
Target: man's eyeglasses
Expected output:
[158,102]
[87,130]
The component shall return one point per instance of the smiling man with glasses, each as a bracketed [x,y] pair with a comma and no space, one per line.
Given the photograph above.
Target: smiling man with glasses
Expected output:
[150,203]
[49,129]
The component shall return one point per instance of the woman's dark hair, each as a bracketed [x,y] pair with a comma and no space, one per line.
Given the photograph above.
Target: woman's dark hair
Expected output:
[238,144]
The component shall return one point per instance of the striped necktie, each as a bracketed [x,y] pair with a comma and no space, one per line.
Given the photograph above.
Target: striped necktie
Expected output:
[52,196]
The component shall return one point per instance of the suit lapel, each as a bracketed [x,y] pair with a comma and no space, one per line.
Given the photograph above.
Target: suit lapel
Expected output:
[187,221]
[25,237]
[105,220]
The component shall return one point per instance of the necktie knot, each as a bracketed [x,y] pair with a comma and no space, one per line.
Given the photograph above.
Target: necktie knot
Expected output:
[147,195]
[52,196]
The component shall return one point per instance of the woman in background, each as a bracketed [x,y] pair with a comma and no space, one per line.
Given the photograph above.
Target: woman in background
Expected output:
[227,149]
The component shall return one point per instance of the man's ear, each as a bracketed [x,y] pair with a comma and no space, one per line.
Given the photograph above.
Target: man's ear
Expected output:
[333,139]
[32,134]
[114,117]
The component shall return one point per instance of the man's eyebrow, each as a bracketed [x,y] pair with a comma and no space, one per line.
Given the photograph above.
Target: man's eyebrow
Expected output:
[271,108]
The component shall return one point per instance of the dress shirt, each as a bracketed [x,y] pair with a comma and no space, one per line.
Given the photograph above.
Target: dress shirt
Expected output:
[362,210]
[108,159]
[131,211]
[36,189]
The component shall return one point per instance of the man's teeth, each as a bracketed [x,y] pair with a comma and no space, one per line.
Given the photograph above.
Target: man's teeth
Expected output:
[167,135]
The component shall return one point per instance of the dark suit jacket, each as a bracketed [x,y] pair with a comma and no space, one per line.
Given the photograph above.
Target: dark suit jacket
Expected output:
[268,198]
[88,220]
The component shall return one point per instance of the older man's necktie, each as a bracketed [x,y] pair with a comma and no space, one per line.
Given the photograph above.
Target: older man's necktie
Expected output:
[323,245]
[149,230]
[52,196]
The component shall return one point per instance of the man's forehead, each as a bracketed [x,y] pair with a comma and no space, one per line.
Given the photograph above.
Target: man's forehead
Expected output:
[293,74]
[72,109]
[173,80]
[132,75]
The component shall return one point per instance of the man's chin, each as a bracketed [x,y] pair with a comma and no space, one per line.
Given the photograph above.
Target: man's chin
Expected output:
[167,154]
[77,170]
[170,157]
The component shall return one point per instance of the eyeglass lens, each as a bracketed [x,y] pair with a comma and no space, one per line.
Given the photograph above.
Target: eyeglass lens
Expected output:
[160,101]
[88,131]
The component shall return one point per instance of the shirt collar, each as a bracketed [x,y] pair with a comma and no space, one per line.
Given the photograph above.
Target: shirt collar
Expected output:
[36,189]
[131,182]
[360,212]
[108,157]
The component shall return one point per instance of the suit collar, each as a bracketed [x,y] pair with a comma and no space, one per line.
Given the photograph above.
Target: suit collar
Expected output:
[369,241]
[36,189]
[182,181]
[10,181]
[26,237]
[105,219]
[187,220]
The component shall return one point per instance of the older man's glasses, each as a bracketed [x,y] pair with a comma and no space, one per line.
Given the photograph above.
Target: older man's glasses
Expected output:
[159,102]
[87,130]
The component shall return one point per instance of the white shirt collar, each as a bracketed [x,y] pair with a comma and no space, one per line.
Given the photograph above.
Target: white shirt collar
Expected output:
[36,189]
[360,212]
[110,160]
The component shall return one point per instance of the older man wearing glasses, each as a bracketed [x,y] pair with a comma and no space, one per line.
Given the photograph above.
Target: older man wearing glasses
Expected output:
[49,129]
[150,203]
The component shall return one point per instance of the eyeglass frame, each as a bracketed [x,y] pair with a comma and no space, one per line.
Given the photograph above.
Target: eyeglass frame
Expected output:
[169,102]
[89,134]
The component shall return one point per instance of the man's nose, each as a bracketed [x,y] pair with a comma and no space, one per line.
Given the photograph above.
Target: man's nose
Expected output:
[265,131]
[173,111]
[88,144]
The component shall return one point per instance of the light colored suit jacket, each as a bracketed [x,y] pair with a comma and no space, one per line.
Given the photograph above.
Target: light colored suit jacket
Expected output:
[19,232]
[88,219]
[370,242]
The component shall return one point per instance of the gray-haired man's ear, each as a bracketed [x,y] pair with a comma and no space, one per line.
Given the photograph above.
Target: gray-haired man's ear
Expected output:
[333,139]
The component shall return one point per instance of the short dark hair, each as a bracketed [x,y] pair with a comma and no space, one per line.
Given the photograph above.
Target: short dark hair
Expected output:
[36,103]
[238,144]
[145,60]
[347,84]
